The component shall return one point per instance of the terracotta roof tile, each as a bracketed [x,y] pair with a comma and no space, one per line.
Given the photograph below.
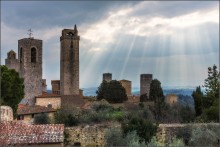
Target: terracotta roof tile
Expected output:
[34,109]
[17,133]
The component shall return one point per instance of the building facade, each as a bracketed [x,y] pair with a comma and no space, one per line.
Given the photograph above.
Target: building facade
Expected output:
[29,66]
[145,81]
[69,62]
[107,77]
[127,85]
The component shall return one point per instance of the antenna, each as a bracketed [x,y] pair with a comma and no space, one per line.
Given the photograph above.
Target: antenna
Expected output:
[30,33]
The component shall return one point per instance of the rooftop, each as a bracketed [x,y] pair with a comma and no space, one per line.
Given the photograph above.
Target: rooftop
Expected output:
[46,95]
[17,133]
[34,109]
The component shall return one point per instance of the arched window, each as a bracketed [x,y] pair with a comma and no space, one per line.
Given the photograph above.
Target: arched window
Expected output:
[33,55]
[21,54]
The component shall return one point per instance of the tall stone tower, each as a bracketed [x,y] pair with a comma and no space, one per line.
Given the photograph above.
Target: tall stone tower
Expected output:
[30,61]
[107,77]
[69,62]
[145,80]
[11,62]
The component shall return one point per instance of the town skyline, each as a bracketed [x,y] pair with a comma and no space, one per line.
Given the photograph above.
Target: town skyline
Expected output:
[177,48]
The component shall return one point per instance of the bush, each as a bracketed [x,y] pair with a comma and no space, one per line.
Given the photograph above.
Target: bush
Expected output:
[64,117]
[114,137]
[204,136]
[145,129]
[41,119]
[184,134]
[144,98]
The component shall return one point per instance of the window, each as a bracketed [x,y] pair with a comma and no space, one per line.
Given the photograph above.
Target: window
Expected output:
[21,54]
[32,115]
[33,55]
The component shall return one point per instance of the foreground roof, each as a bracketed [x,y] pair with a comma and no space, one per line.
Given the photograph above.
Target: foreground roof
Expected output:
[34,109]
[46,95]
[17,133]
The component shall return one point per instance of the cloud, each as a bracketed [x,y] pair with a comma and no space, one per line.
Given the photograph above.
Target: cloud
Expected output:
[125,38]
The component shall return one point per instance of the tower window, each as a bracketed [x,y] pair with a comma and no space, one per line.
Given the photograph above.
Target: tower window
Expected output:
[21,54]
[33,55]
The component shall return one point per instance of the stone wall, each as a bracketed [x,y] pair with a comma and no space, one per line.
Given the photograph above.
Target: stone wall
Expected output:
[127,85]
[69,62]
[55,86]
[107,77]
[88,135]
[145,80]
[30,71]
[6,113]
[54,101]
[171,99]
[166,132]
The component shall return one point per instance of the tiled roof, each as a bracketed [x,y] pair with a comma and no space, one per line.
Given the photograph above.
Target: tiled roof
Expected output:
[34,109]
[45,95]
[17,133]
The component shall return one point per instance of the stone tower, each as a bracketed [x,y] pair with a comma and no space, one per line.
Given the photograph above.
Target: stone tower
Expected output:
[11,62]
[69,62]
[30,61]
[145,80]
[107,77]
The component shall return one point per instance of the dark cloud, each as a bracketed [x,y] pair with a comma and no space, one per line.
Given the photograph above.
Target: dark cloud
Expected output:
[38,14]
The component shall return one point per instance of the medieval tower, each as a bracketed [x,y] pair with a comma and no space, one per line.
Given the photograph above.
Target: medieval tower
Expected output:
[145,81]
[30,61]
[69,62]
[107,77]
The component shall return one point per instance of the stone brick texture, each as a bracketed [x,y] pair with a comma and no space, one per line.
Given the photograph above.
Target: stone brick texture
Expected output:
[6,113]
[127,85]
[69,62]
[107,77]
[145,80]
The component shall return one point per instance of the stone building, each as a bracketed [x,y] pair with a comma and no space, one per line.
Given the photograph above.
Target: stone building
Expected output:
[145,81]
[69,62]
[11,61]
[55,86]
[107,77]
[6,113]
[29,66]
[27,113]
[127,85]
[48,99]
[171,99]
[44,85]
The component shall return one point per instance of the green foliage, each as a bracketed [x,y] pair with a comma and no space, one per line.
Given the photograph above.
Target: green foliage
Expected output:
[114,137]
[187,114]
[41,119]
[177,143]
[145,129]
[141,105]
[156,94]
[12,88]
[133,140]
[64,117]
[212,83]
[203,136]
[112,91]
[156,91]
[207,106]
[198,96]
[184,134]
[144,98]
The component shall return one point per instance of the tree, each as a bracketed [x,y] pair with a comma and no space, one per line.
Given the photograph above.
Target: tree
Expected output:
[144,128]
[156,91]
[156,94]
[112,91]
[12,88]
[41,119]
[198,96]
[207,105]
[211,83]
[143,97]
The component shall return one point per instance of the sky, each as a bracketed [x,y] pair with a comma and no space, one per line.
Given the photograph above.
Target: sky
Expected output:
[176,41]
